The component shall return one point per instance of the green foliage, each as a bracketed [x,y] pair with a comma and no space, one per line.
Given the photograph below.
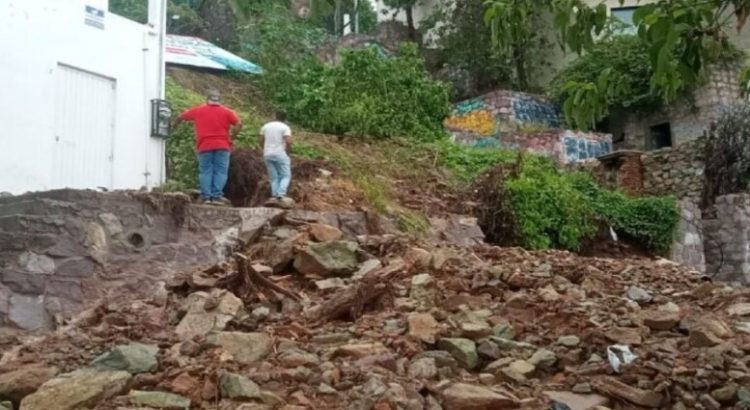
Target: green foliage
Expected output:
[465,43]
[323,14]
[182,162]
[136,10]
[549,210]
[515,26]
[366,94]
[274,37]
[649,220]
[745,82]
[187,23]
[614,74]
[467,163]
[557,209]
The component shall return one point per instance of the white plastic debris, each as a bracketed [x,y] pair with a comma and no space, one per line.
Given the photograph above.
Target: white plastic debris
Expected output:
[613,234]
[619,355]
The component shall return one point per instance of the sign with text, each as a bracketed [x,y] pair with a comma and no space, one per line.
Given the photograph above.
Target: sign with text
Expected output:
[94,17]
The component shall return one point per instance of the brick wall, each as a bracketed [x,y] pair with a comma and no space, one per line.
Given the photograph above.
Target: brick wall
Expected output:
[678,171]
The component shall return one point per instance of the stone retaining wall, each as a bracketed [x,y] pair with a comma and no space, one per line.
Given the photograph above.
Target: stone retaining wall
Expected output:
[678,171]
[727,239]
[61,251]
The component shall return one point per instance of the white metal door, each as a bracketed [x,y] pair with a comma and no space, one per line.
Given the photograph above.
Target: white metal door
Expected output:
[84,129]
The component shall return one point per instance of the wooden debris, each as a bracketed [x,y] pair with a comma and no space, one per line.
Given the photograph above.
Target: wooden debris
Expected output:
[350,302]
[614,388]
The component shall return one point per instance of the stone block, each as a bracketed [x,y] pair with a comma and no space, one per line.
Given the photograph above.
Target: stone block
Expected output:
[76,267]
[28,312]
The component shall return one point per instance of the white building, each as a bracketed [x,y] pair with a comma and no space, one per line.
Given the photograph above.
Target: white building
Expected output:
[77,84]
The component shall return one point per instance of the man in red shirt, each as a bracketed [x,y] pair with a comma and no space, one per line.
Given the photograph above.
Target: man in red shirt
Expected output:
[215,128]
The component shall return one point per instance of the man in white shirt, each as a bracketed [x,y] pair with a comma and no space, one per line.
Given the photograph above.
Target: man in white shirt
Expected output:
[276,138]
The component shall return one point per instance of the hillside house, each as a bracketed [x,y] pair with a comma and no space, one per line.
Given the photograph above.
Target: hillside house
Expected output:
[78,84]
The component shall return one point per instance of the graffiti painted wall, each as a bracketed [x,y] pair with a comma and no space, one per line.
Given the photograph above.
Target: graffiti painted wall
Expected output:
[522,121]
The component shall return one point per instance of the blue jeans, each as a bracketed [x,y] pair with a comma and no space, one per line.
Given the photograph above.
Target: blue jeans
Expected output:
[213,170]
[279,173]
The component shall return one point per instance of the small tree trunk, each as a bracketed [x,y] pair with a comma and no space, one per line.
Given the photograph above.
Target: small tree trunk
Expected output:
[410,23]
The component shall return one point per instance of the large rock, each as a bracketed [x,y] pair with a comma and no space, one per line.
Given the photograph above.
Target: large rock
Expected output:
[28,312]
[80,389]
[337,258]
[158,400]
[462,396]
[660,320]
[234,386]
[325,233]
[577,401]
[424,327]
[463,350]
[244,348]
[198,321]
[17,384]
[423,290]
[134,358]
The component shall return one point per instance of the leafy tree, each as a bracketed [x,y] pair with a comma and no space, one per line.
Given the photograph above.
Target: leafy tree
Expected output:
[465,43]
[681,37]
[514,25]
[614,74]
[408,7]
[187,21]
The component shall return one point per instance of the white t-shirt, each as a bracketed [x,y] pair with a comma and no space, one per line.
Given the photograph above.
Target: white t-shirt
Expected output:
[274,133]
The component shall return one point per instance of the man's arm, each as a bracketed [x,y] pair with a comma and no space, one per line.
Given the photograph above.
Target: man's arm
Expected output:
[176,123]
[288,139]
[188,115]
[235,130]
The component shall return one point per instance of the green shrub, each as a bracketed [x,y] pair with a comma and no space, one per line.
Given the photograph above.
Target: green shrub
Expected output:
[549,210]
[466,162]
[365,95]
[537,205]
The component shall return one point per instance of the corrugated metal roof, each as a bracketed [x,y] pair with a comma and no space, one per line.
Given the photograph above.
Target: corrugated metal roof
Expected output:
[196,52]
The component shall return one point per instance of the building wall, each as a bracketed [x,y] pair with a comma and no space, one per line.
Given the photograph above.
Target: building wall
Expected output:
[688,118]
[36,36]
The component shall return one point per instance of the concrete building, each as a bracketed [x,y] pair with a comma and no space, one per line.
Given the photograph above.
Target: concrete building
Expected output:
[77,84]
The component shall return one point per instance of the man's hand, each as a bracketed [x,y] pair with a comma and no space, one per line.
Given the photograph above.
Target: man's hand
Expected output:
[176,123]
[236,129]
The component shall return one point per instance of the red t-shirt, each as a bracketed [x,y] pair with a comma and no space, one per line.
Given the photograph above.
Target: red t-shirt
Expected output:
[212,122]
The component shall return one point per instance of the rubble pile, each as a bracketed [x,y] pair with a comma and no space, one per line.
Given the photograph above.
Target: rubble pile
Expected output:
[306,317]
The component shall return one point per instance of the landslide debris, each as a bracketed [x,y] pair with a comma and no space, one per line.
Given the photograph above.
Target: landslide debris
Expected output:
[385,322]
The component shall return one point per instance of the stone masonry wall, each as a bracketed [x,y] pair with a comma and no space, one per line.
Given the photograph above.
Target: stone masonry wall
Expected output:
[688,119]
[522,121]
[727,239]
[678,171]
[61,251]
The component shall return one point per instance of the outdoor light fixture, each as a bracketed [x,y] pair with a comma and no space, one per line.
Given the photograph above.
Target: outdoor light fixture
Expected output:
[161,115]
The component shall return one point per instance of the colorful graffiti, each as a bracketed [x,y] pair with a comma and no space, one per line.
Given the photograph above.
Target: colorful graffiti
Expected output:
[580,147]
[525,122]
[481,122]
[531,109]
